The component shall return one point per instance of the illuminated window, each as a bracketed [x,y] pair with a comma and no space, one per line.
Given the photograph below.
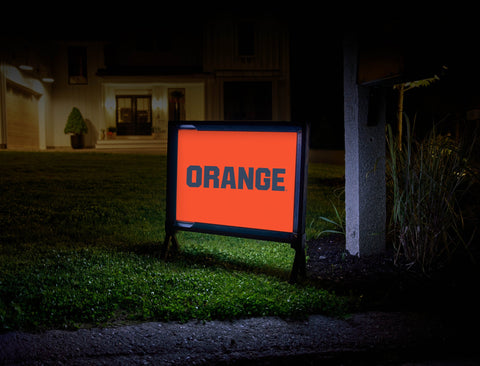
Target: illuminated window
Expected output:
[134,115]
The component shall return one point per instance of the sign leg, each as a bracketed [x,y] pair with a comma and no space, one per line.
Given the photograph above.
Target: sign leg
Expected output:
[166,244]
[299,267]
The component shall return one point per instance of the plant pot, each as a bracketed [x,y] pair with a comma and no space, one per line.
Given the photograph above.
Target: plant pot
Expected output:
[77,141]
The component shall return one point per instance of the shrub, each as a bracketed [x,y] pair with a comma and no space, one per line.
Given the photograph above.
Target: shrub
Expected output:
[425,181]
[75,123]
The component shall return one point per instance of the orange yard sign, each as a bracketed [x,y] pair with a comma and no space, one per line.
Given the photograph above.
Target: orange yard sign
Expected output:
[245,179]
[237,178]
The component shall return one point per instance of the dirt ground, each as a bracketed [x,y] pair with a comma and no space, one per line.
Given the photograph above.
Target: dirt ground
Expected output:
[404,319]
[384,286]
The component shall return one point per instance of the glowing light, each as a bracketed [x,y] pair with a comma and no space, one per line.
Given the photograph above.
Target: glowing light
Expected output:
[110,103]
[157,103]
[25,67]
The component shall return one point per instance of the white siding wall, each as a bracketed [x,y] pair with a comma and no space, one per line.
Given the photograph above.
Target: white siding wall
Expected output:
[87,98]
[203,93]
[96,100]
[270,63]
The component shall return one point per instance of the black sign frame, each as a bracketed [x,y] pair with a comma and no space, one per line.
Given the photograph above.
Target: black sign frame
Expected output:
[296,237]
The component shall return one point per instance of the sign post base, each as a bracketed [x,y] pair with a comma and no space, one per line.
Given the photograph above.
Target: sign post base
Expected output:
[299,267]
[169,237]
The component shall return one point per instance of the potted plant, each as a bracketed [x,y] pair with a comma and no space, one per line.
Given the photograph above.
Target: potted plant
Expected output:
[112,133]
[77,127]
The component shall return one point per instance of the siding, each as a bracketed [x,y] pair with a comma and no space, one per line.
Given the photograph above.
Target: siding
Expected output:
[220,52]
[22,118]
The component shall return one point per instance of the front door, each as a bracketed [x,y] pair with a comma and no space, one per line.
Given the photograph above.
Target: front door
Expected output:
[134,115]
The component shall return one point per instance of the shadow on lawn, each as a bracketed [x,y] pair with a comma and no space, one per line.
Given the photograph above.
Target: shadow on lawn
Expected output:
[212,260]
[375,280]
[154,249]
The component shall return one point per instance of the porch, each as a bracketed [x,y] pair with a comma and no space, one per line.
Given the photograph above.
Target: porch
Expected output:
[133,143]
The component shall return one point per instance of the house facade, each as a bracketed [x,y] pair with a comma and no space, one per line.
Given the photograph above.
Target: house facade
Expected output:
[128,85]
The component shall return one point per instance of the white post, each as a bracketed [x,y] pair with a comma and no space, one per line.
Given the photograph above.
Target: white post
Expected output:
[365,195]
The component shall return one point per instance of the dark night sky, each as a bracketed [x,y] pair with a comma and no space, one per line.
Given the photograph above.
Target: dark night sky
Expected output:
[428,39]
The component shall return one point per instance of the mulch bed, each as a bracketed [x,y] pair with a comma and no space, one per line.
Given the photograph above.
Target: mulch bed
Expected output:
[383,285]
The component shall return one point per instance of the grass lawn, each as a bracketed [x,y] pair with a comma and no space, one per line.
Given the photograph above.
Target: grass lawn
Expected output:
[80,235]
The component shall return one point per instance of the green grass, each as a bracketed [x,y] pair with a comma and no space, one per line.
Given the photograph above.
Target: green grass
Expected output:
[80,236]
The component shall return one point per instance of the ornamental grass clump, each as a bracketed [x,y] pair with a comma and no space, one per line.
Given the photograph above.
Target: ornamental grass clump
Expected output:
[426,180]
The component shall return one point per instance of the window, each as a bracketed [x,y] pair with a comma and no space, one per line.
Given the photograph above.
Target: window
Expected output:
[77,65]
[246,39]
[247,101]
[134,115]
[176,104]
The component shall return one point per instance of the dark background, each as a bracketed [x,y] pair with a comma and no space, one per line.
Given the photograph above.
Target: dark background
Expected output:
[427,38]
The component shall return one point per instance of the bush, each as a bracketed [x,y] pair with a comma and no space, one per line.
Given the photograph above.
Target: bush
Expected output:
[75,123]
[425,181]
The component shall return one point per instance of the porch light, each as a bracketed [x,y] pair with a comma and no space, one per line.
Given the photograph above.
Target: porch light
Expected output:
[25,67]
[48,79]
[110,103]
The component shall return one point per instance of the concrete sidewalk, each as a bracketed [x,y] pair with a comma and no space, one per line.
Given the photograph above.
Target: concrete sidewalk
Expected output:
[373,338]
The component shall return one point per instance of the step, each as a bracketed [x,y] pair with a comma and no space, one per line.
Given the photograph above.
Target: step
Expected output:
[132,143]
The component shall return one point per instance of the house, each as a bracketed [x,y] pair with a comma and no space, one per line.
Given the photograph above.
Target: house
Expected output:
[216,68]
